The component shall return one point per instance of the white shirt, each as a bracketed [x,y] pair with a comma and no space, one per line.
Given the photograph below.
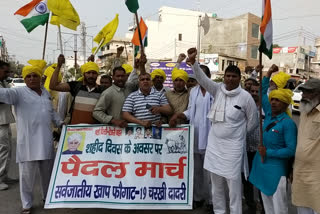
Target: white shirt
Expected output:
[197,111]
[225,154]
[34,115]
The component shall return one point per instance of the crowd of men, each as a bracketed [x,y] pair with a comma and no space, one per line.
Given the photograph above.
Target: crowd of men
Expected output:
[225,117]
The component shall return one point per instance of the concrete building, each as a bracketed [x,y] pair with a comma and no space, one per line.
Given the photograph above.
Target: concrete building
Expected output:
[110,50]
[315,62]
[176,30]
[236,39]
[292,60]
[3,50]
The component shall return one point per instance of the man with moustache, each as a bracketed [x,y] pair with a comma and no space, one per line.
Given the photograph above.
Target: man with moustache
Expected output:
[145,106]
[233,114]
[109,105]
[86,93]
[306,170]
[34,112]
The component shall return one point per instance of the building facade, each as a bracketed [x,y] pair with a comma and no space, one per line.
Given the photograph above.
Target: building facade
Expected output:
[109,51]
[235,38]
[176,30]
[295,60]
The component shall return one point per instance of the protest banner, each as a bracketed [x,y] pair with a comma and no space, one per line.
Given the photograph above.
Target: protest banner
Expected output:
[167,67]
[99,166]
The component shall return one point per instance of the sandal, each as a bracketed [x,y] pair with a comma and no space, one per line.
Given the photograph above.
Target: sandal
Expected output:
[26,211]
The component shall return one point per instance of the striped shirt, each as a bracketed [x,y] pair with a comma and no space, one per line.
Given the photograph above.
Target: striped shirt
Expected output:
[84,102]
[136,104]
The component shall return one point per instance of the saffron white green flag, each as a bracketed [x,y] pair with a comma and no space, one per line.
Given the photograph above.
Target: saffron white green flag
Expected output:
[133,5]
[266,29]
[33,14]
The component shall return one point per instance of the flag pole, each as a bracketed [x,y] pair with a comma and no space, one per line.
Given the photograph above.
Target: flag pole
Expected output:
[140,37]
[98,48]
[198,39]
[260,103]
[45,40]
[60,39]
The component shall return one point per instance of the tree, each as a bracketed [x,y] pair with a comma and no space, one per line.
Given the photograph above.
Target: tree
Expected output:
[276,46]
[110,61]
[16,68]
[73,74]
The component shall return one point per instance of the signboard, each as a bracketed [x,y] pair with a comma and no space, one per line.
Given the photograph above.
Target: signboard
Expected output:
[100,166]
[210,60]
[285,50]
[168,67]
[276,50]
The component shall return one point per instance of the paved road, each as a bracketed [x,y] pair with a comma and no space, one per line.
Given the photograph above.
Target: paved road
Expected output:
[10,200]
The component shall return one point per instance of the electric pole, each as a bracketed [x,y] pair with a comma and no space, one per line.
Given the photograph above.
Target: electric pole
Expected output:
[83,40]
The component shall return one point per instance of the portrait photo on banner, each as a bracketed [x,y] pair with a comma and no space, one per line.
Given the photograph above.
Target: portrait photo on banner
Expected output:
[74,143]
[156,132]
[138,132]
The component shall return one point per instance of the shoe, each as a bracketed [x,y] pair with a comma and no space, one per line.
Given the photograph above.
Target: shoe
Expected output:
[10,180]
[209,207]
[26,211]
[3,186]
[197,204]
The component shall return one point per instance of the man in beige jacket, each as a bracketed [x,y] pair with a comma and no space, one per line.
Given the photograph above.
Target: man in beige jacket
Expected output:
[306,171]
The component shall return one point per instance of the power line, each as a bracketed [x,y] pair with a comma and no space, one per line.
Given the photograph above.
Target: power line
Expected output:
[297,17]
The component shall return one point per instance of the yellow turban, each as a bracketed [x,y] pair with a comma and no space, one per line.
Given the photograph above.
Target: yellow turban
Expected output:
[284,95]
[128,68]
[89,66]
[179,73]
[158,72]
[48,73]
[281,79]
[36,66]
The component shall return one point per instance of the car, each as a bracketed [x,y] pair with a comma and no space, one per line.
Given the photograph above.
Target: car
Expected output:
[297,95]
[17,82]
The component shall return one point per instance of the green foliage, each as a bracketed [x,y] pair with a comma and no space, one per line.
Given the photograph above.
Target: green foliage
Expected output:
[218,79]
[16,68]
[109,63]
[73,74]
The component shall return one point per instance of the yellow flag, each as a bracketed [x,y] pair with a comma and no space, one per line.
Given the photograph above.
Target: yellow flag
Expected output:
[63,13]
[107,32]
[93,50]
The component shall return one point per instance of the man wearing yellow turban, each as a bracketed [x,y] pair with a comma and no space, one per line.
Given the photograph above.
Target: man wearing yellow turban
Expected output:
[47,77]
[48,74]
[279,145]
[158,77]
[128,68]
[34,115]
[179,97]
[279,80]
[86,92]
[36,67]
[284,96]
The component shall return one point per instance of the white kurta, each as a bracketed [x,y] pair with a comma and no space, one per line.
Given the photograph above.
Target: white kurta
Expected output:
[226,140]
[34,115]
[197,111]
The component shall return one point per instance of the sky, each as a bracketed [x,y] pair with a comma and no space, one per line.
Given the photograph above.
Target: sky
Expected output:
[288,17]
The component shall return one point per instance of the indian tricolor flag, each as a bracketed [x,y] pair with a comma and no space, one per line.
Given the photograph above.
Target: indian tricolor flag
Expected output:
[266,29]
[144,35]
[33,14]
